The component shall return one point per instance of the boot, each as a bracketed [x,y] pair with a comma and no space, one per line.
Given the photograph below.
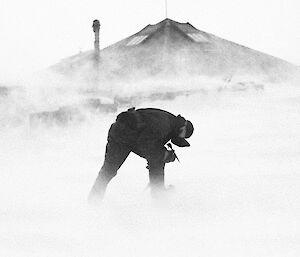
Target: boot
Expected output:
[98,190]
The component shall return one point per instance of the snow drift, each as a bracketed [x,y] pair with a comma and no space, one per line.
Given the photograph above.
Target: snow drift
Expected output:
[236,188]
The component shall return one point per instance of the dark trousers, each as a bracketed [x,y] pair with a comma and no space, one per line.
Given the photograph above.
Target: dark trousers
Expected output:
[115,155]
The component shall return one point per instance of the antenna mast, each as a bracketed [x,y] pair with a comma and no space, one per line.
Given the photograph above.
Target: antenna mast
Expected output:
[166,8]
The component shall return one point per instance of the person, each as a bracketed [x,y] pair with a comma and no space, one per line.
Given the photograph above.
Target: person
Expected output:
[144,132]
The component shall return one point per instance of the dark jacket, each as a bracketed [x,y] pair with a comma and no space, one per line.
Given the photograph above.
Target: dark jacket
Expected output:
[146,131]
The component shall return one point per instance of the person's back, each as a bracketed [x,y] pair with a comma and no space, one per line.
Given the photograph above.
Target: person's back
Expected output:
[144,132]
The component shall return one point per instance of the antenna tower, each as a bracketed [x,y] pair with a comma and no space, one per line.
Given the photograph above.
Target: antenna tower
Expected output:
[166,8]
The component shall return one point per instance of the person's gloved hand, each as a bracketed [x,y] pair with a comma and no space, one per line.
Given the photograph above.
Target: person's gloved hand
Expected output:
[169,156]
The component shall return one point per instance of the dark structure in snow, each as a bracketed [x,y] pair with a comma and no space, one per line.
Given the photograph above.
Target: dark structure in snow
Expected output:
[173,49]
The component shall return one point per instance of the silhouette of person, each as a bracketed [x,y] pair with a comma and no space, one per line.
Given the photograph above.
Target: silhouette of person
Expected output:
[144,132]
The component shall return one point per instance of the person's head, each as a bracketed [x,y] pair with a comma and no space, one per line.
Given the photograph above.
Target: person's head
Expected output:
[186,130]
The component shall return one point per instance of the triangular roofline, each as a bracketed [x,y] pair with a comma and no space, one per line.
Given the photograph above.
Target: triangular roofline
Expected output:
[160,26]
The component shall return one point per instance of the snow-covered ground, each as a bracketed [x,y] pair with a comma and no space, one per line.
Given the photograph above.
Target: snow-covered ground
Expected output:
[237,188]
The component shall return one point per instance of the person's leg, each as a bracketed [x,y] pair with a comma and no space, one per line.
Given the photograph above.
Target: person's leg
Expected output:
[115,155]
[156,177]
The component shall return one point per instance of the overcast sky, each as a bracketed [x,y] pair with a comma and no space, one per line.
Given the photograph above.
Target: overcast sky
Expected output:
[35,33]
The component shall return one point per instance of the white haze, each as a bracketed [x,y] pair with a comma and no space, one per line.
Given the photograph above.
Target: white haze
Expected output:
[36,34]
[236,188]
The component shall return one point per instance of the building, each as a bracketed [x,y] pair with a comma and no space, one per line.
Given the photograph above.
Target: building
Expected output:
[171,50]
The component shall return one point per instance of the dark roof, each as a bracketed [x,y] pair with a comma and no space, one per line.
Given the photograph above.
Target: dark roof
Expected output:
[173,48]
